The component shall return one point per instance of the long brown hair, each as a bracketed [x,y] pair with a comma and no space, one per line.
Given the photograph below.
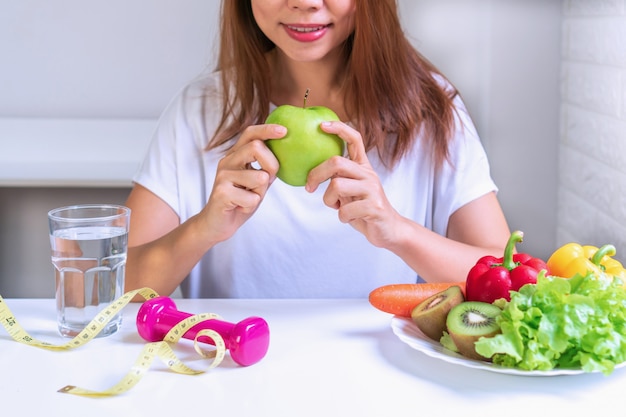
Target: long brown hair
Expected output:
[389,86]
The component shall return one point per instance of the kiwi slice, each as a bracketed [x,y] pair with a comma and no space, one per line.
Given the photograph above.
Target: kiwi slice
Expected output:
[469,321]
[430,315]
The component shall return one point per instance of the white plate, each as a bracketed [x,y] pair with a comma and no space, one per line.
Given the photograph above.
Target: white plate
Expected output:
[409,333]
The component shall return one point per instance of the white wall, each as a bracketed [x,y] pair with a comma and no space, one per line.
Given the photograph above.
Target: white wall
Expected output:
[108,59]
[592,185]
[118,60]
[503,55]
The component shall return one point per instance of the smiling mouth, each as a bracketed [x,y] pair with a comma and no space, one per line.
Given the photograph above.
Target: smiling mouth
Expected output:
[303,29]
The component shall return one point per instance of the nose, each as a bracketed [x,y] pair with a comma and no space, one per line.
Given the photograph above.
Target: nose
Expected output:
[305,4]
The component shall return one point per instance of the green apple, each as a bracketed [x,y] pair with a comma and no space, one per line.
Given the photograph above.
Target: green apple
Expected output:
[305,145]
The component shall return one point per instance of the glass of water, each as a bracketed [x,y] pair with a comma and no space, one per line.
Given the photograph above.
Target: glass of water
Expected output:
[89,245]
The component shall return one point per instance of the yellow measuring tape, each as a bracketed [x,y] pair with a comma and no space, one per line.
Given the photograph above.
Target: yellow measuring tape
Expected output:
[162,350]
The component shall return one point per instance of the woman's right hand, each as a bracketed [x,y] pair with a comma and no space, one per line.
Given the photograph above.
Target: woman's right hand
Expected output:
[239,187]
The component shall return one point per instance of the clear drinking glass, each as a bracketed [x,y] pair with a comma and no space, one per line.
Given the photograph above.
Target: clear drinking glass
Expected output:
[89,245]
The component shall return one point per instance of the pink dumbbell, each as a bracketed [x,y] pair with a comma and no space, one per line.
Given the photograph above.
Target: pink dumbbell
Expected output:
[247,340]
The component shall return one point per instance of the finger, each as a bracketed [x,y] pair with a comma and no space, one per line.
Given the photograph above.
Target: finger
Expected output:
[260,132]
[353,139]
[235,197]
[353,210]
[257,156]
[254,155]
[256,180]
[249,185]
[333,168]
[342,190]
[337,192]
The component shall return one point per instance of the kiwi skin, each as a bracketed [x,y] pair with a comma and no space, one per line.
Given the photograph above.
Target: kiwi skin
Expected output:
[469,321]
[430,315]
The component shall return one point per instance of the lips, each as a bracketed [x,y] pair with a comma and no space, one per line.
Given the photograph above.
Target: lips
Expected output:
[306,32]
[305,29]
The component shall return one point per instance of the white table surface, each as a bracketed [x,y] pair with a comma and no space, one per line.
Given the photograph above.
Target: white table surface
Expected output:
[326,358]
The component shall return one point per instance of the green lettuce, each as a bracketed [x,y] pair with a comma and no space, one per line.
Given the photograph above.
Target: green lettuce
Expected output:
[573,323]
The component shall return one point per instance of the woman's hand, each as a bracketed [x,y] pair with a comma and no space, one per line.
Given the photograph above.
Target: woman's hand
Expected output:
[239,188]
[162,250]
[355,190]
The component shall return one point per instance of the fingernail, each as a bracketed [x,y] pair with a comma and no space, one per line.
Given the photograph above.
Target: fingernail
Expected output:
[280,130]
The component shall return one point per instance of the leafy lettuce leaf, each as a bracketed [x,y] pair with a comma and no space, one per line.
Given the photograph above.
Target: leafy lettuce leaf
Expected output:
[447,342]
[577,323]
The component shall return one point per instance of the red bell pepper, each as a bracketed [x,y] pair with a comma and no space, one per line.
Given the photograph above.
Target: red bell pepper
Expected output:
[493,278]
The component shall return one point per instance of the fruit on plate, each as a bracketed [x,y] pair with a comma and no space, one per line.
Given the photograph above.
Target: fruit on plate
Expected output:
[469,321]
[305,145]
[430,315]
[401,299]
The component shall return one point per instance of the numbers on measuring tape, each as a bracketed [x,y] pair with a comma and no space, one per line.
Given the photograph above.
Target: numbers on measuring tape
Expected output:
[162,350]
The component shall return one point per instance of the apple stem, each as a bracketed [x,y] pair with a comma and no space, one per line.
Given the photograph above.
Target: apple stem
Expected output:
[306,95]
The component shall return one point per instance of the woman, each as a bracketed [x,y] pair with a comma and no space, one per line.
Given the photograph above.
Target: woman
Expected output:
[412,198]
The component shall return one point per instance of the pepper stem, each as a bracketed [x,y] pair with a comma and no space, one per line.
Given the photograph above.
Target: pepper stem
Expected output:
[606,250]
[507,260]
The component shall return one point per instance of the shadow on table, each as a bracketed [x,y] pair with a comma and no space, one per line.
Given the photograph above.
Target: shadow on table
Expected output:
[476,381]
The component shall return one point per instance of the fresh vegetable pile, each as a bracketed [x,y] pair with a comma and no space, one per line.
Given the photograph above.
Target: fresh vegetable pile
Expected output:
[577,322]
[569,312]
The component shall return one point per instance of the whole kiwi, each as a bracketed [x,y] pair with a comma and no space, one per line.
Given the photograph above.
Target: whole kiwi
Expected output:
[469,321]
[430,315]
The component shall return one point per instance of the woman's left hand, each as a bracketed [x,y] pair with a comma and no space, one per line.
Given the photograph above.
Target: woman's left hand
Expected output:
[355,190]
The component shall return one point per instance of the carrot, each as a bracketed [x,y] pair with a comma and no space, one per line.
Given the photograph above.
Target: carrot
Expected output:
[400,299]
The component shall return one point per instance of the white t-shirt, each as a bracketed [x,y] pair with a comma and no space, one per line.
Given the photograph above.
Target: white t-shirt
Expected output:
[294,246]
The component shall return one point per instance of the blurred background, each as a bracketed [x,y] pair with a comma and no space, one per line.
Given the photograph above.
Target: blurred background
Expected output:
[82,85]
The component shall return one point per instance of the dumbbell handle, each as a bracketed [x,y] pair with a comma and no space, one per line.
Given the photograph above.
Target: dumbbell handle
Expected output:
[247,340]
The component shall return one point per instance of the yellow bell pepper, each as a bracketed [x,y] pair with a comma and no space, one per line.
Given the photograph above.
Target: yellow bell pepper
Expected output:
[572,258]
